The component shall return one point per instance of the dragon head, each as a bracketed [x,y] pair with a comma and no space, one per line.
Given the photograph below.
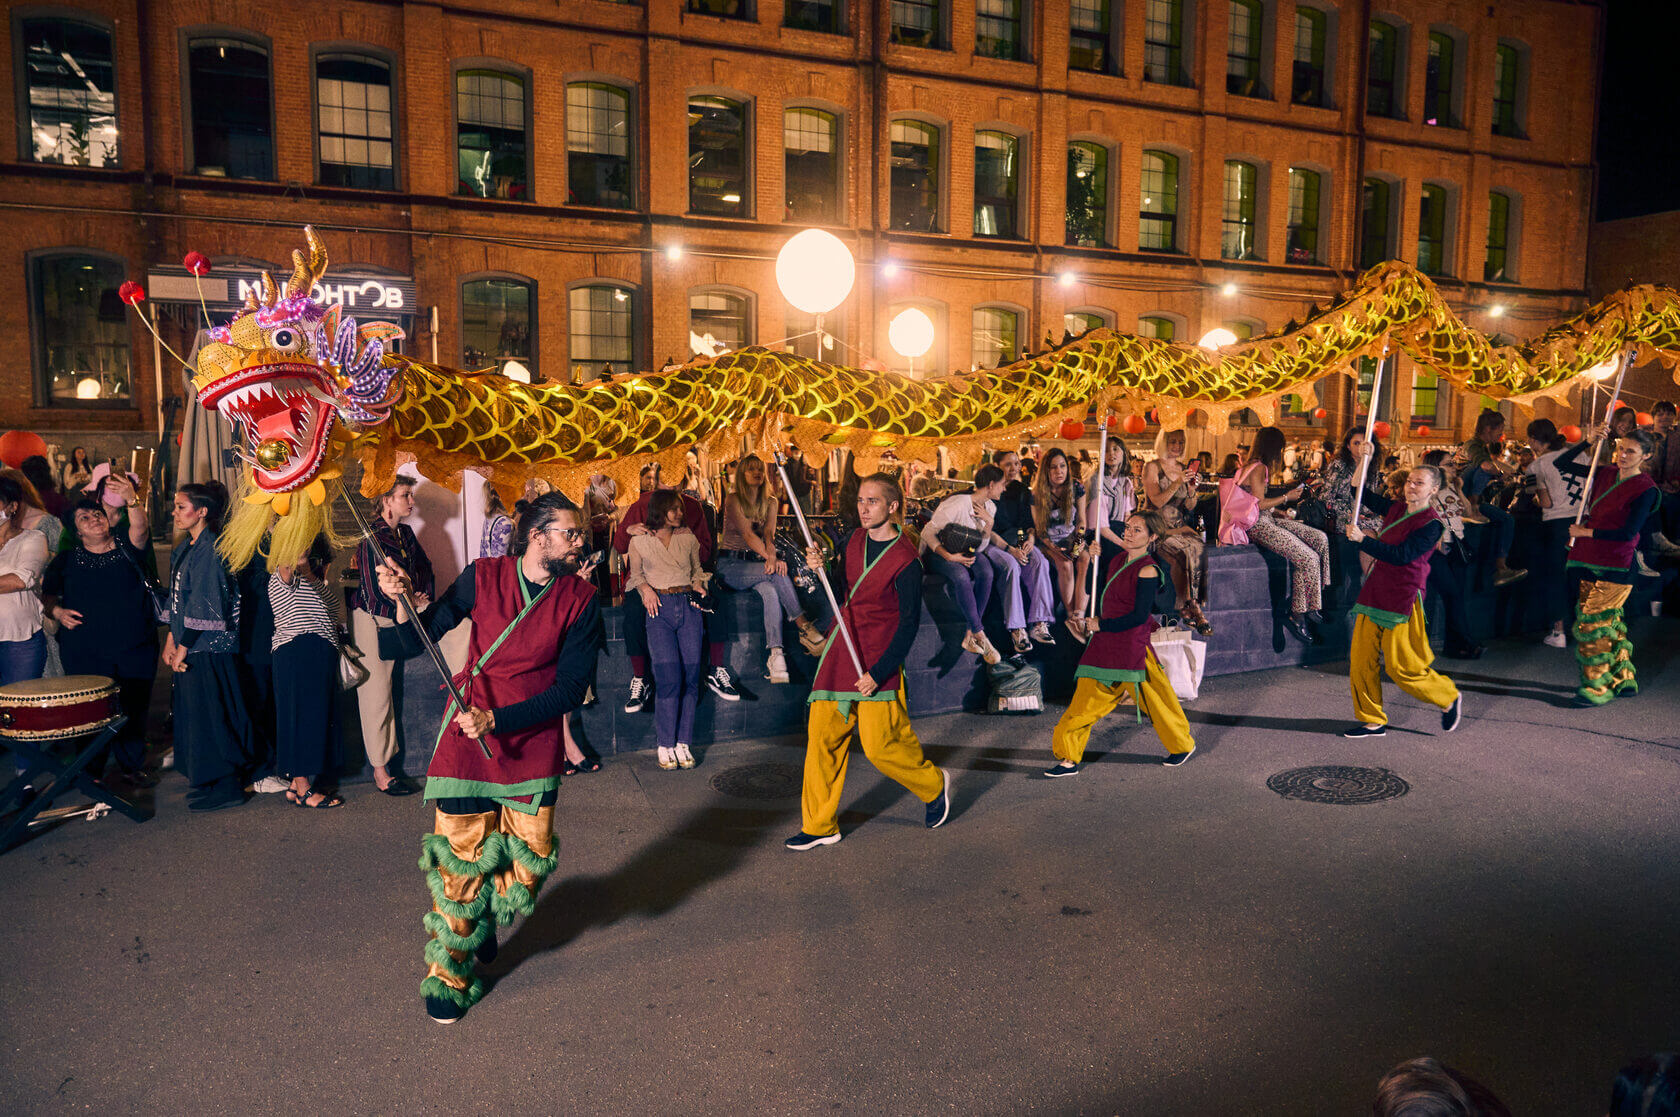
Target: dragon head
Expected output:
[298,379]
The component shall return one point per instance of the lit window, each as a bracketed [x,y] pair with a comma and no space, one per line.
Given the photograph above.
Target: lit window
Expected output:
[720,317]
[1374,223]
[811,147]
[598,144]
[915,176]
[813,15]
[997,28]
[1507,70]
[997,336]
[1497,266]
[353,97]
[81,330]
[1426,397]
[996,184]
[1078,322]
[717,168]
[1382,96]
[1432,231]
[1438,81]
[1157,327]
[69,90]
[1237,239]
[1242,49]
[490,138]
[602,331]
[1163,42]
[496,316]
[1087,195]
[1158,215]
[1305,191]
[1090,33]
[915,23]
[232,133]
[1311,36]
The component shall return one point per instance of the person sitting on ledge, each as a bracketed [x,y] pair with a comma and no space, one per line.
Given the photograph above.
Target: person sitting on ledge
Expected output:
[1029,597]
[966,567]
[747,559]
[1245,516]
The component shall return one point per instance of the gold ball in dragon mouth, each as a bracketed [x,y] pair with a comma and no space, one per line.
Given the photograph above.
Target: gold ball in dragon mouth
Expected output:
[273,453]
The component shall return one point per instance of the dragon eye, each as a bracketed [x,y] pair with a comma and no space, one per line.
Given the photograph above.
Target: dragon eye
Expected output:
[286,340]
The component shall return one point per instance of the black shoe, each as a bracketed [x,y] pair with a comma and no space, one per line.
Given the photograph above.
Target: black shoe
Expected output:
[1363,730]
[940,809]
[641,693]
[1469,651]
[444,1010]
[722,684]
[1297,629]
[802,840]
[487,950]
[218,798]
[399,787]
[1173,760]
[1313,616]
[1450,716]
[1062,768]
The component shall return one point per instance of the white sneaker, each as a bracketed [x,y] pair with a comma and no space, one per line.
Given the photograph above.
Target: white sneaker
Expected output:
[667,759]
[1556,640]
[168,760]
[775,667]
[685,759]
[270,785]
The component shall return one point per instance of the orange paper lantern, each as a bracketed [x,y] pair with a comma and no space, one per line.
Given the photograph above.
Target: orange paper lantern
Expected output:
[1381,430]
[1424,431]
[1320,413]
[1572,433]
[1644,419]
[1154,415]
[18,445]
[1073,430]
[1134,424]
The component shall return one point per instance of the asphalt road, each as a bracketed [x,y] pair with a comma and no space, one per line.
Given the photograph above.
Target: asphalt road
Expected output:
[1136,939]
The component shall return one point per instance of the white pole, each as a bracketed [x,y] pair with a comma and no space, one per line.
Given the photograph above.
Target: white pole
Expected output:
[1609,413]
[1370,425]
[822,575]
[157,370]
[1097,513]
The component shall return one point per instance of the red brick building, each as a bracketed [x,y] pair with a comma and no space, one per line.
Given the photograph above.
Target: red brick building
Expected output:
[590,183]
[1638,250]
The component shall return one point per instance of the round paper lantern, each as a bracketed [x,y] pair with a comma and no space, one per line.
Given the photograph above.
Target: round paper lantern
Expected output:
[197,263]
[1072,430]
[17,445]
[1424,431]
[131,293]
[1571,433]
[1154,415]
[1643,418]
[1320,413]
[1134,424]
[1381,429]
[910,333]
[815,271]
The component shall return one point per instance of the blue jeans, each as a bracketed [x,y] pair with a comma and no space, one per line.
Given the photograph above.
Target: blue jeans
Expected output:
[674,645]
[23,660]
[775,590]
[971,586]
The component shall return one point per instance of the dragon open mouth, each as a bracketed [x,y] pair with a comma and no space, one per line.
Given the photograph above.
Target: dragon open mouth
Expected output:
[284,409]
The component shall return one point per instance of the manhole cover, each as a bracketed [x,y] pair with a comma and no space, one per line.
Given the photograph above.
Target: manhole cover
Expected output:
[759,781]
[1335,784]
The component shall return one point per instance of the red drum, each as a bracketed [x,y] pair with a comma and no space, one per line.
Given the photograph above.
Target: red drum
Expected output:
[57,709]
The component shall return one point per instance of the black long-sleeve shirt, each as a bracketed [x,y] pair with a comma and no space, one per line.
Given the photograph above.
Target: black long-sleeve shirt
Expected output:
[908,586]
[572,670]
[1638,511]
[1419,543]
[1142,605]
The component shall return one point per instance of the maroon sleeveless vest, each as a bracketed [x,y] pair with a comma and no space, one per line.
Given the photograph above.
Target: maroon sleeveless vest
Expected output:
[1607,508]
[1390,588]
[1121,656]
[871,613]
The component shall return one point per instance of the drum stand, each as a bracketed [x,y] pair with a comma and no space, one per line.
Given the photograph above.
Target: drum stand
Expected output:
[60,778]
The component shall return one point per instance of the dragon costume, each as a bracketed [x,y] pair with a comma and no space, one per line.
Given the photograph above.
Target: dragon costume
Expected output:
[308,386]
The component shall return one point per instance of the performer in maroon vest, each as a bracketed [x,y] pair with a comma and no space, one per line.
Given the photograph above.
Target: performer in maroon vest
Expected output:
[1119,655]
[1601,564]
[879,578]
[536,630]
[1388,615]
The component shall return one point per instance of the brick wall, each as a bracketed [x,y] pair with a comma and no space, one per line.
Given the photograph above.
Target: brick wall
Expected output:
[1638,250]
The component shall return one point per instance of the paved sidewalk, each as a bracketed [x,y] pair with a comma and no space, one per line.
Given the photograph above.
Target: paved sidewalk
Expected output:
[1136,940]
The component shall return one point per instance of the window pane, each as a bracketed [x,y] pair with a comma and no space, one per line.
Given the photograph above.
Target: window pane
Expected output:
[1310,35]
[1505,62]
[813,15]
[81,329]
[1438,82]
[354,97]
[1432,231]
[729,9]
[1090,36]
[1159,328]
[71,91]
[1087,195]
[915,22]
[717,141]
[496,324]
[720,317]
[1237,236]
[915,176]
[1426,395]
[602,325]
[231,132]
[1163,42]
[996,178]
[996,338]
[1078,322]
[1158,217]
[490,135]
[1242,50]
[1381,99]
[810,140]
[997,28]
[598,145]
[1496,267]
[1304,195]
[1374,223]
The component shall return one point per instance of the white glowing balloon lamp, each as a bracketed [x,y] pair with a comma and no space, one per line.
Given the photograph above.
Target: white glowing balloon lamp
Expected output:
[1213,339]
[911,333]
[87,388]
[815,271]
[1604,371]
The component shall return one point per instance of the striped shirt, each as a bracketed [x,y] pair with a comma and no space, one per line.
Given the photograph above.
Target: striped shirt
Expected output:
[300,609]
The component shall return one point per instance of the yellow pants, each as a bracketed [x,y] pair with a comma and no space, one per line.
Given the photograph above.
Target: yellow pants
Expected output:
[884,730]
[1405,649]
[1092,701]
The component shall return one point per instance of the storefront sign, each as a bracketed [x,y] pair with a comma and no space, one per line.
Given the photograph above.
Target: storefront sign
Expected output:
[226,289]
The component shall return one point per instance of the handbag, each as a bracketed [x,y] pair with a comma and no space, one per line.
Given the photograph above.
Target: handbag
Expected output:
[960,539]
[159,595]
[351,673]
[1182,657]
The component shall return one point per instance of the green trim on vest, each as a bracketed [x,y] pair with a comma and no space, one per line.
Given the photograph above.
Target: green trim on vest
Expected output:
[1108,676]
[1382,618]
[449,709]
[448,787]
[1605,571]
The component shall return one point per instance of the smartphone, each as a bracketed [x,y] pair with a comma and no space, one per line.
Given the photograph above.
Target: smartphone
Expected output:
[595,559]
[1194,466]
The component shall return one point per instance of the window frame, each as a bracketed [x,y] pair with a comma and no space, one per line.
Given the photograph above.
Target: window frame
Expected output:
[21,87]
[1519,89]
[1106,41]
[1448,195]
[503,68]
[840,26]
[749,111]
[940,176]
[749,309]
[1179,53]
[531,286]
[939,38]
[743,12]
[1106,318]
[353,48]
[1393,200]
[1023,329]
[1110,161]
[1396,82]
[933,362]
[1256,208]
[1023,188]
[634,293]
[1177,322]
[1261,14]
[1176,233]
[1329,26]
[632,115]
[186,36]
[839,115]
[40,385]
[1513,235]
[1320,216]
[1454,114]
[1023,31]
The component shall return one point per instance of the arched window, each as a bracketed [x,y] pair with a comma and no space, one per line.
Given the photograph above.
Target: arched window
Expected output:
[1163,42]
[1433,227]
[1158,214]
[232,114]
[67,93]
[915,176]
[811,161]
[1081,320]
[498,322]
[602,328]
[1238,238]
[599,144]
[997,336]
[1091,36]
[1440,81]
[1510,80]
[1500,263]
[1376,222]
[1312,36]
[717,156]
[724,317]
[1157,326]
[1244,38]
[353,106]
[997,182]
[1384,94]
[1087,194]
[80,330]
[492,141]
[1306,193]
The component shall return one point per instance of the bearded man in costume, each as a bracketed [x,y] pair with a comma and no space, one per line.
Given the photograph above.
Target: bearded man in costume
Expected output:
[536,630]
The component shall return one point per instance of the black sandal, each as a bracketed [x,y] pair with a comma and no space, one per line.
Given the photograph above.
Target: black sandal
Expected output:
[328,800]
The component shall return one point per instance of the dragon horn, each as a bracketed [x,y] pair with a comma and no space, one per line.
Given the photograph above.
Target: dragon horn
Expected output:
[307,271]
[269,292]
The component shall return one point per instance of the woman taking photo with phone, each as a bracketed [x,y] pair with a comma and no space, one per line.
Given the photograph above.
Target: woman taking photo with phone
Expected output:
[1169,488]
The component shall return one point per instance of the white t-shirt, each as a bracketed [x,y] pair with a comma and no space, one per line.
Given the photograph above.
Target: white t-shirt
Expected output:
[20,613]
[958,508]
[1564,492]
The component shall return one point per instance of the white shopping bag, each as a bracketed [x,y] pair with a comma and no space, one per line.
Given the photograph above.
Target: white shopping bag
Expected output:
[1182,658]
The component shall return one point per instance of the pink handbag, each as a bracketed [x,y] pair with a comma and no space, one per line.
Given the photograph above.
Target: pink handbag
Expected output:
[1239,509]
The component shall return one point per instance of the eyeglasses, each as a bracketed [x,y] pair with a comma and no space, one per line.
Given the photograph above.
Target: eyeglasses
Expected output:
[569,534]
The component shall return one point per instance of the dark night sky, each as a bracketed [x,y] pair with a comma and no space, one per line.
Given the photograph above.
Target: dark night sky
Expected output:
[1639,160]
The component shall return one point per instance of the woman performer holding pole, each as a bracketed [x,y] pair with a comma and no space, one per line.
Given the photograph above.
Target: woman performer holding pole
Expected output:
[1389,615]
[1119,657]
